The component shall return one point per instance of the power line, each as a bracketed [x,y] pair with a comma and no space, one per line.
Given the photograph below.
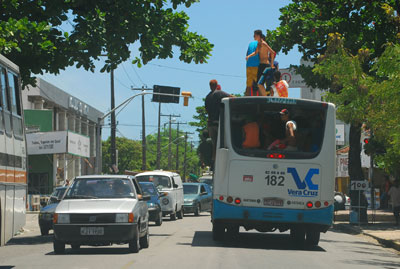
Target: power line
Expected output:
[137,75]
[129,77]
[199,72]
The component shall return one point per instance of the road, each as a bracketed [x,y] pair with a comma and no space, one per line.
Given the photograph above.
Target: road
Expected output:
[188,243]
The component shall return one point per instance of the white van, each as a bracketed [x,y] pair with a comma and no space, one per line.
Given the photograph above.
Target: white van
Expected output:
[171,183]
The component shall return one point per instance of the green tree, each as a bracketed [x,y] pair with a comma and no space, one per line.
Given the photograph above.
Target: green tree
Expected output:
[129,154]
[50,35]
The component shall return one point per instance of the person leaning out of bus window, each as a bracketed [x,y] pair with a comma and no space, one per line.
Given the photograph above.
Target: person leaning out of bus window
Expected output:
[289,142]
[251,135]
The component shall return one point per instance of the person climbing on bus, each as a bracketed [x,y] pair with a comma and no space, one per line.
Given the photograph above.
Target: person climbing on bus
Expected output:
[251,135]
[267,56]
[279,87]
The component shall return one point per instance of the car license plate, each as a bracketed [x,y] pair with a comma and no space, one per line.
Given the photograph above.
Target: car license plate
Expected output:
[273,202]
[92,230]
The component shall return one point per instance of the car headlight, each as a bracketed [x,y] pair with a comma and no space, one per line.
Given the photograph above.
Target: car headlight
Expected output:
[63,218]
[151,205]
[165,201]
[121,217]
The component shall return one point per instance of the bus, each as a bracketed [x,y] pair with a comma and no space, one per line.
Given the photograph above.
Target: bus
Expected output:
[270,185]
[13,176]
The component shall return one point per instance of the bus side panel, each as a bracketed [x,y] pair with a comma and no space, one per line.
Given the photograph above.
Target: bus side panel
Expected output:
[9,214]
[19,208]
[2,213]
[226,212]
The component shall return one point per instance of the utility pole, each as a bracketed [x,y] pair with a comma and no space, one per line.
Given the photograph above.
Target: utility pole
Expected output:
[144,144]
[184,162]
[158,138]
[113,147]
[177,146]
[170,138]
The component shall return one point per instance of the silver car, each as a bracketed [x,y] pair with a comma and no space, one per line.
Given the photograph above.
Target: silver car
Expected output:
[102,210]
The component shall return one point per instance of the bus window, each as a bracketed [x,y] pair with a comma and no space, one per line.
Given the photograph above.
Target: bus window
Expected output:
[274,134]
[14,94]
[4,103]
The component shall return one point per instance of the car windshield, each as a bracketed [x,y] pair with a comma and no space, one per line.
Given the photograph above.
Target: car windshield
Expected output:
[161,182]
[94,188]
[148,189]
[190,189]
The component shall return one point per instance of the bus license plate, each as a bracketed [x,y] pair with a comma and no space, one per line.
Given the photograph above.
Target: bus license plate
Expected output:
[273,202]
[92,230]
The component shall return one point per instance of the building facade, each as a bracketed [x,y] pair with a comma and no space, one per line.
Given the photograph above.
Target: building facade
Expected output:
[61,136]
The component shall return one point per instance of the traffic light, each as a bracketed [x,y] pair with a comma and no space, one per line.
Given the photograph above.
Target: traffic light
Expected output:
[373,146]
[366,140]
[186,98]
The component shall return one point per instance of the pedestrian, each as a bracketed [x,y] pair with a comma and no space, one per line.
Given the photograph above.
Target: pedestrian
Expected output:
[289,142]
[394,194]
[212,102]
[267,57]
[251,67]
[66,183]
[279,87]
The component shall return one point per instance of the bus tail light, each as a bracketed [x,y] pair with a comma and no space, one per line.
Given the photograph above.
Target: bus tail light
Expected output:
[229,199]
[326,203]
[276,156]
[221,198]
[238,201]
[309,204]
[317,204]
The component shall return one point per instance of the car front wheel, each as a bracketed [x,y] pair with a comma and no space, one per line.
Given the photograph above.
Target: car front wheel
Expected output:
[145,240]
[159,219]
[134,245]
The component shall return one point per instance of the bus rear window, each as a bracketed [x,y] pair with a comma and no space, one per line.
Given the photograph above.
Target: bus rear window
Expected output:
[269,130]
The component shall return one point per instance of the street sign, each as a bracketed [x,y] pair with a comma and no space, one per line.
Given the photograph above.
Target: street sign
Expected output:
[359,185]
[164,98]
[292,78]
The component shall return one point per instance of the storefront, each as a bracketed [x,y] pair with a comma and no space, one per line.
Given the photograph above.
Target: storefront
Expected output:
[61,137]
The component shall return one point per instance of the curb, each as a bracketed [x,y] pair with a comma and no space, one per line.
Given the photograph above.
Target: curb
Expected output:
[357,230]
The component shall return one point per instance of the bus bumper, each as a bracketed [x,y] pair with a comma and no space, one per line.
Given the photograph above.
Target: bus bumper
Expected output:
[242,215]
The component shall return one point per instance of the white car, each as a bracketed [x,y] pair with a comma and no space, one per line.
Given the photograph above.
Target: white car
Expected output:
[170,183]
[102,210]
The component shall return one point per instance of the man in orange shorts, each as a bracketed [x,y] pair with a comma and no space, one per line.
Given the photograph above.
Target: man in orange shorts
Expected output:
[251,67]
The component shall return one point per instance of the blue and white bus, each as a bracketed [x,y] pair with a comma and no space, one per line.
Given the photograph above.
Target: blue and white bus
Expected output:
[266,184]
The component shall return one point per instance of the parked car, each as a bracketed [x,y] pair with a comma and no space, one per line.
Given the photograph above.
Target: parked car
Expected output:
[154,204]
[197,198]
[102,210]
[46,213]
[171,183]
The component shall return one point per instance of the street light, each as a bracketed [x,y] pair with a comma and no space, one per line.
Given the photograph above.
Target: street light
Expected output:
[100,120]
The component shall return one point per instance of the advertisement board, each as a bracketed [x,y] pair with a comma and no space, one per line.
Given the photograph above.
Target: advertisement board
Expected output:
[46,143]
[78,144]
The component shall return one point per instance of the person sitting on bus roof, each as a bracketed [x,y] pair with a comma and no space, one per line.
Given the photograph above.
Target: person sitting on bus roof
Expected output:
[251,135]
[279,87]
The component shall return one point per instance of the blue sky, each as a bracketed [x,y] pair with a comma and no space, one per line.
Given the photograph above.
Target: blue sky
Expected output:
[228,24]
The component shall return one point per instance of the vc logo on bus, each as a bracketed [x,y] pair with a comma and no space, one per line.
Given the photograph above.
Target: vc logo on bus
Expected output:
[306,187]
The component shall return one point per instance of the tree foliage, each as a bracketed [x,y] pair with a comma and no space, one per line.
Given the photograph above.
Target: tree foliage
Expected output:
[307,25]
[50,35]
[130,153]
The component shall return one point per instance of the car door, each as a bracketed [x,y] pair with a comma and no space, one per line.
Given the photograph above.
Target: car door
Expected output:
[143,210]
[203,198]
[208,197]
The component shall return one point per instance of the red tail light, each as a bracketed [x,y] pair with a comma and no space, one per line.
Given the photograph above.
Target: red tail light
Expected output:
[238,201]
[221,198]
[276,156]
[326,203]
[309,204]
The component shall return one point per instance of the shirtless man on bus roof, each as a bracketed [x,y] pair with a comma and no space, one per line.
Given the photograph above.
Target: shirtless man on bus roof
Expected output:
[267,57]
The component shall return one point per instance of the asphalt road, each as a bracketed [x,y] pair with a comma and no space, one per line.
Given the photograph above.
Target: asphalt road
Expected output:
[188,243]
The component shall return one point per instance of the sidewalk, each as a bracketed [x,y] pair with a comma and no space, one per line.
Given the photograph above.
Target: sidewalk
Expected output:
[381,226]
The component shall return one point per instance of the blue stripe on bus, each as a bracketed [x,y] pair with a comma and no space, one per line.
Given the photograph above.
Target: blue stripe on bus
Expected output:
[315,216]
